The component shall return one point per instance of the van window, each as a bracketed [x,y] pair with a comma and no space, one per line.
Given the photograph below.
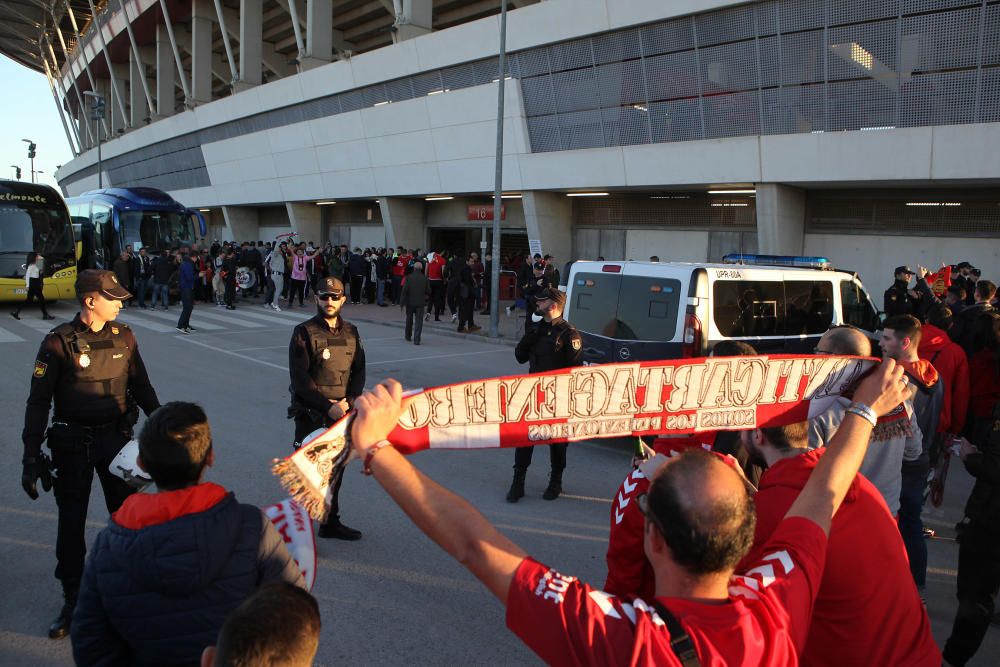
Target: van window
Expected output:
[748,309]
[625,307]
[858,309]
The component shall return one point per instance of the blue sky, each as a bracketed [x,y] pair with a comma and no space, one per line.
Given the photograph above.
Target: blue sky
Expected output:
[28,112]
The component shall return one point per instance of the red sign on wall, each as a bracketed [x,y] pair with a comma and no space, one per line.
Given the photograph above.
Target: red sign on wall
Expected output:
[480,212]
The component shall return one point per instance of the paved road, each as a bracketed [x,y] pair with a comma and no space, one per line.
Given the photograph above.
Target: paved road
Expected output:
[393,596]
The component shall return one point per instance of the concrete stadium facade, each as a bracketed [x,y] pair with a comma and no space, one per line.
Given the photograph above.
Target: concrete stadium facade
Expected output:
[867,132]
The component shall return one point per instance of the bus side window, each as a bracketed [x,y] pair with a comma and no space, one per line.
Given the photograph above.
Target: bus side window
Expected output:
[100,216]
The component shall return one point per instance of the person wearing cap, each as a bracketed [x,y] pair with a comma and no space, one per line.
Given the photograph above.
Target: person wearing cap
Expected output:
[900,299]
[535,286]
[553,344]
[90,370]
[327,366]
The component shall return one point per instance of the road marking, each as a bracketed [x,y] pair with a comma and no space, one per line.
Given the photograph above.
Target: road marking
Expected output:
[139,322]
[43,326]
[171,318]
[436,356]
[237,355]
[270,316]
[550,533]
[8,337]
[219,317]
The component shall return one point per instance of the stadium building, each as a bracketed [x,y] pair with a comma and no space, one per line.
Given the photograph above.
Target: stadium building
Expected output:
[867,131]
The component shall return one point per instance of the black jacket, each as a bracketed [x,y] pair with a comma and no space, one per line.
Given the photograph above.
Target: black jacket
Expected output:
[965,324]
[163,267]
[157,593]
[983,506]
[550,346]
[897,300]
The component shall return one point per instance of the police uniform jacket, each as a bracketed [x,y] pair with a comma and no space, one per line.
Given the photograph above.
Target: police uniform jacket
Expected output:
[326,363]
[897,300]
[550,346]
[86,375]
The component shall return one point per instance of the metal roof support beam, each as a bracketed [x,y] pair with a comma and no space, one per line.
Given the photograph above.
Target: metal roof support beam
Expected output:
[225,42]
[166,74]
[111,68]
[119,114]
[53,72]
[62,117]
[139,105]
[83,57]
[271,58]
[251,42]
[177,54]
[413,18]
[297,23]
[201,51]
[138,59]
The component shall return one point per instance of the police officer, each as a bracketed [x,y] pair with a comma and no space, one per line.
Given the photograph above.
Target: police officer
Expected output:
[90,369]
[554,343]
[900,299]
[327,366]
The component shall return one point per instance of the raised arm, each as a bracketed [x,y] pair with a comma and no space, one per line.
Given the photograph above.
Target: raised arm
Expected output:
[882,390]
[448,519]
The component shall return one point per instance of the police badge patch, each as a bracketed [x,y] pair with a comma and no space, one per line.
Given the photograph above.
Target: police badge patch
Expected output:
[40,368]
[84,360]
[326,353]
[577,344]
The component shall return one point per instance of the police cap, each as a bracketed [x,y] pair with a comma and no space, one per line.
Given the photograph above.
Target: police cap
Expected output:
[104,283]
[903,269]
[552,294]
[330,287]
[538,266]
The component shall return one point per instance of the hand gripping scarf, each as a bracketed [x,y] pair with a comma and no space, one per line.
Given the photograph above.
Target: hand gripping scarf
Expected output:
[586,402]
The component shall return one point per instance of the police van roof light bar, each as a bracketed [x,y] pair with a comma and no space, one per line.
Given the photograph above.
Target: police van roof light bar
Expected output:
[795,261]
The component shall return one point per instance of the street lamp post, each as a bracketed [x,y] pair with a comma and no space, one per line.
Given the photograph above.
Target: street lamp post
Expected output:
[97,113]
[498,182]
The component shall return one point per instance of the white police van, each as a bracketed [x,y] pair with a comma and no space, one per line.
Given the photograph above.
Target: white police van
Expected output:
[634,311]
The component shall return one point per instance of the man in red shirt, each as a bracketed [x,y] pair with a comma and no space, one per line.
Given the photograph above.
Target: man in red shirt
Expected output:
[399,266]
[868,610]
[699,524]
[435,276]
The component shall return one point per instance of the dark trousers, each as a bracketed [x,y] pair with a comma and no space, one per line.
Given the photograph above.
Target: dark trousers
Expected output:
[557,458]
[261,278]
[303,427]
[285,285]
[397,282]
[230,290]
[451,296]
[911,526]
[76,454]
[268,290]
[34,295]
[187,305]
[140,290]
[465,309]
[413,330]
[297,289]
[356,282]
[978,583]
[437,298]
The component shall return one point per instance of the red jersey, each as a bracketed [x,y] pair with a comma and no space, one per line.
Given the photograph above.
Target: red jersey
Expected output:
[434,268]
[868,611]
[399,266]
[629,572]
[949,360]
[566,622]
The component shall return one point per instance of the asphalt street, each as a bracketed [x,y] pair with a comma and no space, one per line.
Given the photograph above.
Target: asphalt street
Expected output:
[393,596]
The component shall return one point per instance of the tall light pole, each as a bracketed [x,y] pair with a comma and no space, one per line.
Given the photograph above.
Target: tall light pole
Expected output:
[97,105]
[31,156]
[498,181]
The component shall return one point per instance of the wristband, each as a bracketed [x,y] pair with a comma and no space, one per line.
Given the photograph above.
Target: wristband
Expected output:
[863,411]
[367,469]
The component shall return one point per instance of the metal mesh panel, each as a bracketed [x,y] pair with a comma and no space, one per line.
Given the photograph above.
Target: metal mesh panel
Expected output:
[575,90]
[571,55]
[543,131]
[802,57]
[533,62]
[373,95]
[991,36]
[857,104]
[621,83]
[766,18]
[801,14]
[667,37]
[616,46]
[626,126]
[426,83]
[399,90]
[734,115]
[538,96]
[770,61]
[351,101]
[581,129]
[938,99]
[488,70]
[887,212]
[794,109]
[943,41]
[678,210]
[728,67]
[868,49]
[679,120]
[849,11]
[460,76]
[989,103]
[914,6]
[728,25]
[671,76]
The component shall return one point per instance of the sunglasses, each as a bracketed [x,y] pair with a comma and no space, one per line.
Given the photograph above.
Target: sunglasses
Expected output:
[643,502]
[334,296]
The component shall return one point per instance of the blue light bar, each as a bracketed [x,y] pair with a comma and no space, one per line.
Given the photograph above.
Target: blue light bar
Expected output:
[778,260]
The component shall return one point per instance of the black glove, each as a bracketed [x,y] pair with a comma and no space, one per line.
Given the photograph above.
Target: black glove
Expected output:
[36,468]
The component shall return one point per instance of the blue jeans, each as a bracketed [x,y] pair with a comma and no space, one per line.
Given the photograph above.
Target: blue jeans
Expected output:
[911,526]
[380,292]
[187,305]
[140,290]
[162,291]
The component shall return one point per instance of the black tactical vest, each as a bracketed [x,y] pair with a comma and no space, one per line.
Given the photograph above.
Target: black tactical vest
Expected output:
[330,357]
[100,365]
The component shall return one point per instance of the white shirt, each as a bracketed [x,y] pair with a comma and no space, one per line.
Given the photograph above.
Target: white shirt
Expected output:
[31,272]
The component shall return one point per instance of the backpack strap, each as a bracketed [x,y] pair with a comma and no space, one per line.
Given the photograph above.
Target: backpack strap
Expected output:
[680,641]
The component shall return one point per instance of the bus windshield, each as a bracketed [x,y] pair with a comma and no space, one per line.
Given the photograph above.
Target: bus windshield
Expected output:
[157,230]
[32,224]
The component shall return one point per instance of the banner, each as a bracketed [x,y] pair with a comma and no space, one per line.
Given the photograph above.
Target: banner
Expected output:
[295,527]
[940,282]
[586,402]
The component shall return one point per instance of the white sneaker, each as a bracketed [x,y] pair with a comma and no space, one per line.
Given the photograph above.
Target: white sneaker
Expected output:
[508,311]
[454,317]
[427,317]
[274,306]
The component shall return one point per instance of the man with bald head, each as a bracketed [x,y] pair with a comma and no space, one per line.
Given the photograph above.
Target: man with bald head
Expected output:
[896,437]
[699,523]
[414,298]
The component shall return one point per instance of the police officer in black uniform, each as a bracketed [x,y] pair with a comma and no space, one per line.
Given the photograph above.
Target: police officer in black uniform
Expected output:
[554,343]
[900,299]
[327,365]
[90,369]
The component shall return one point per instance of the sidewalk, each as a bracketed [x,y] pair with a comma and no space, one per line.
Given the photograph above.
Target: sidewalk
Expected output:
[510,328]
